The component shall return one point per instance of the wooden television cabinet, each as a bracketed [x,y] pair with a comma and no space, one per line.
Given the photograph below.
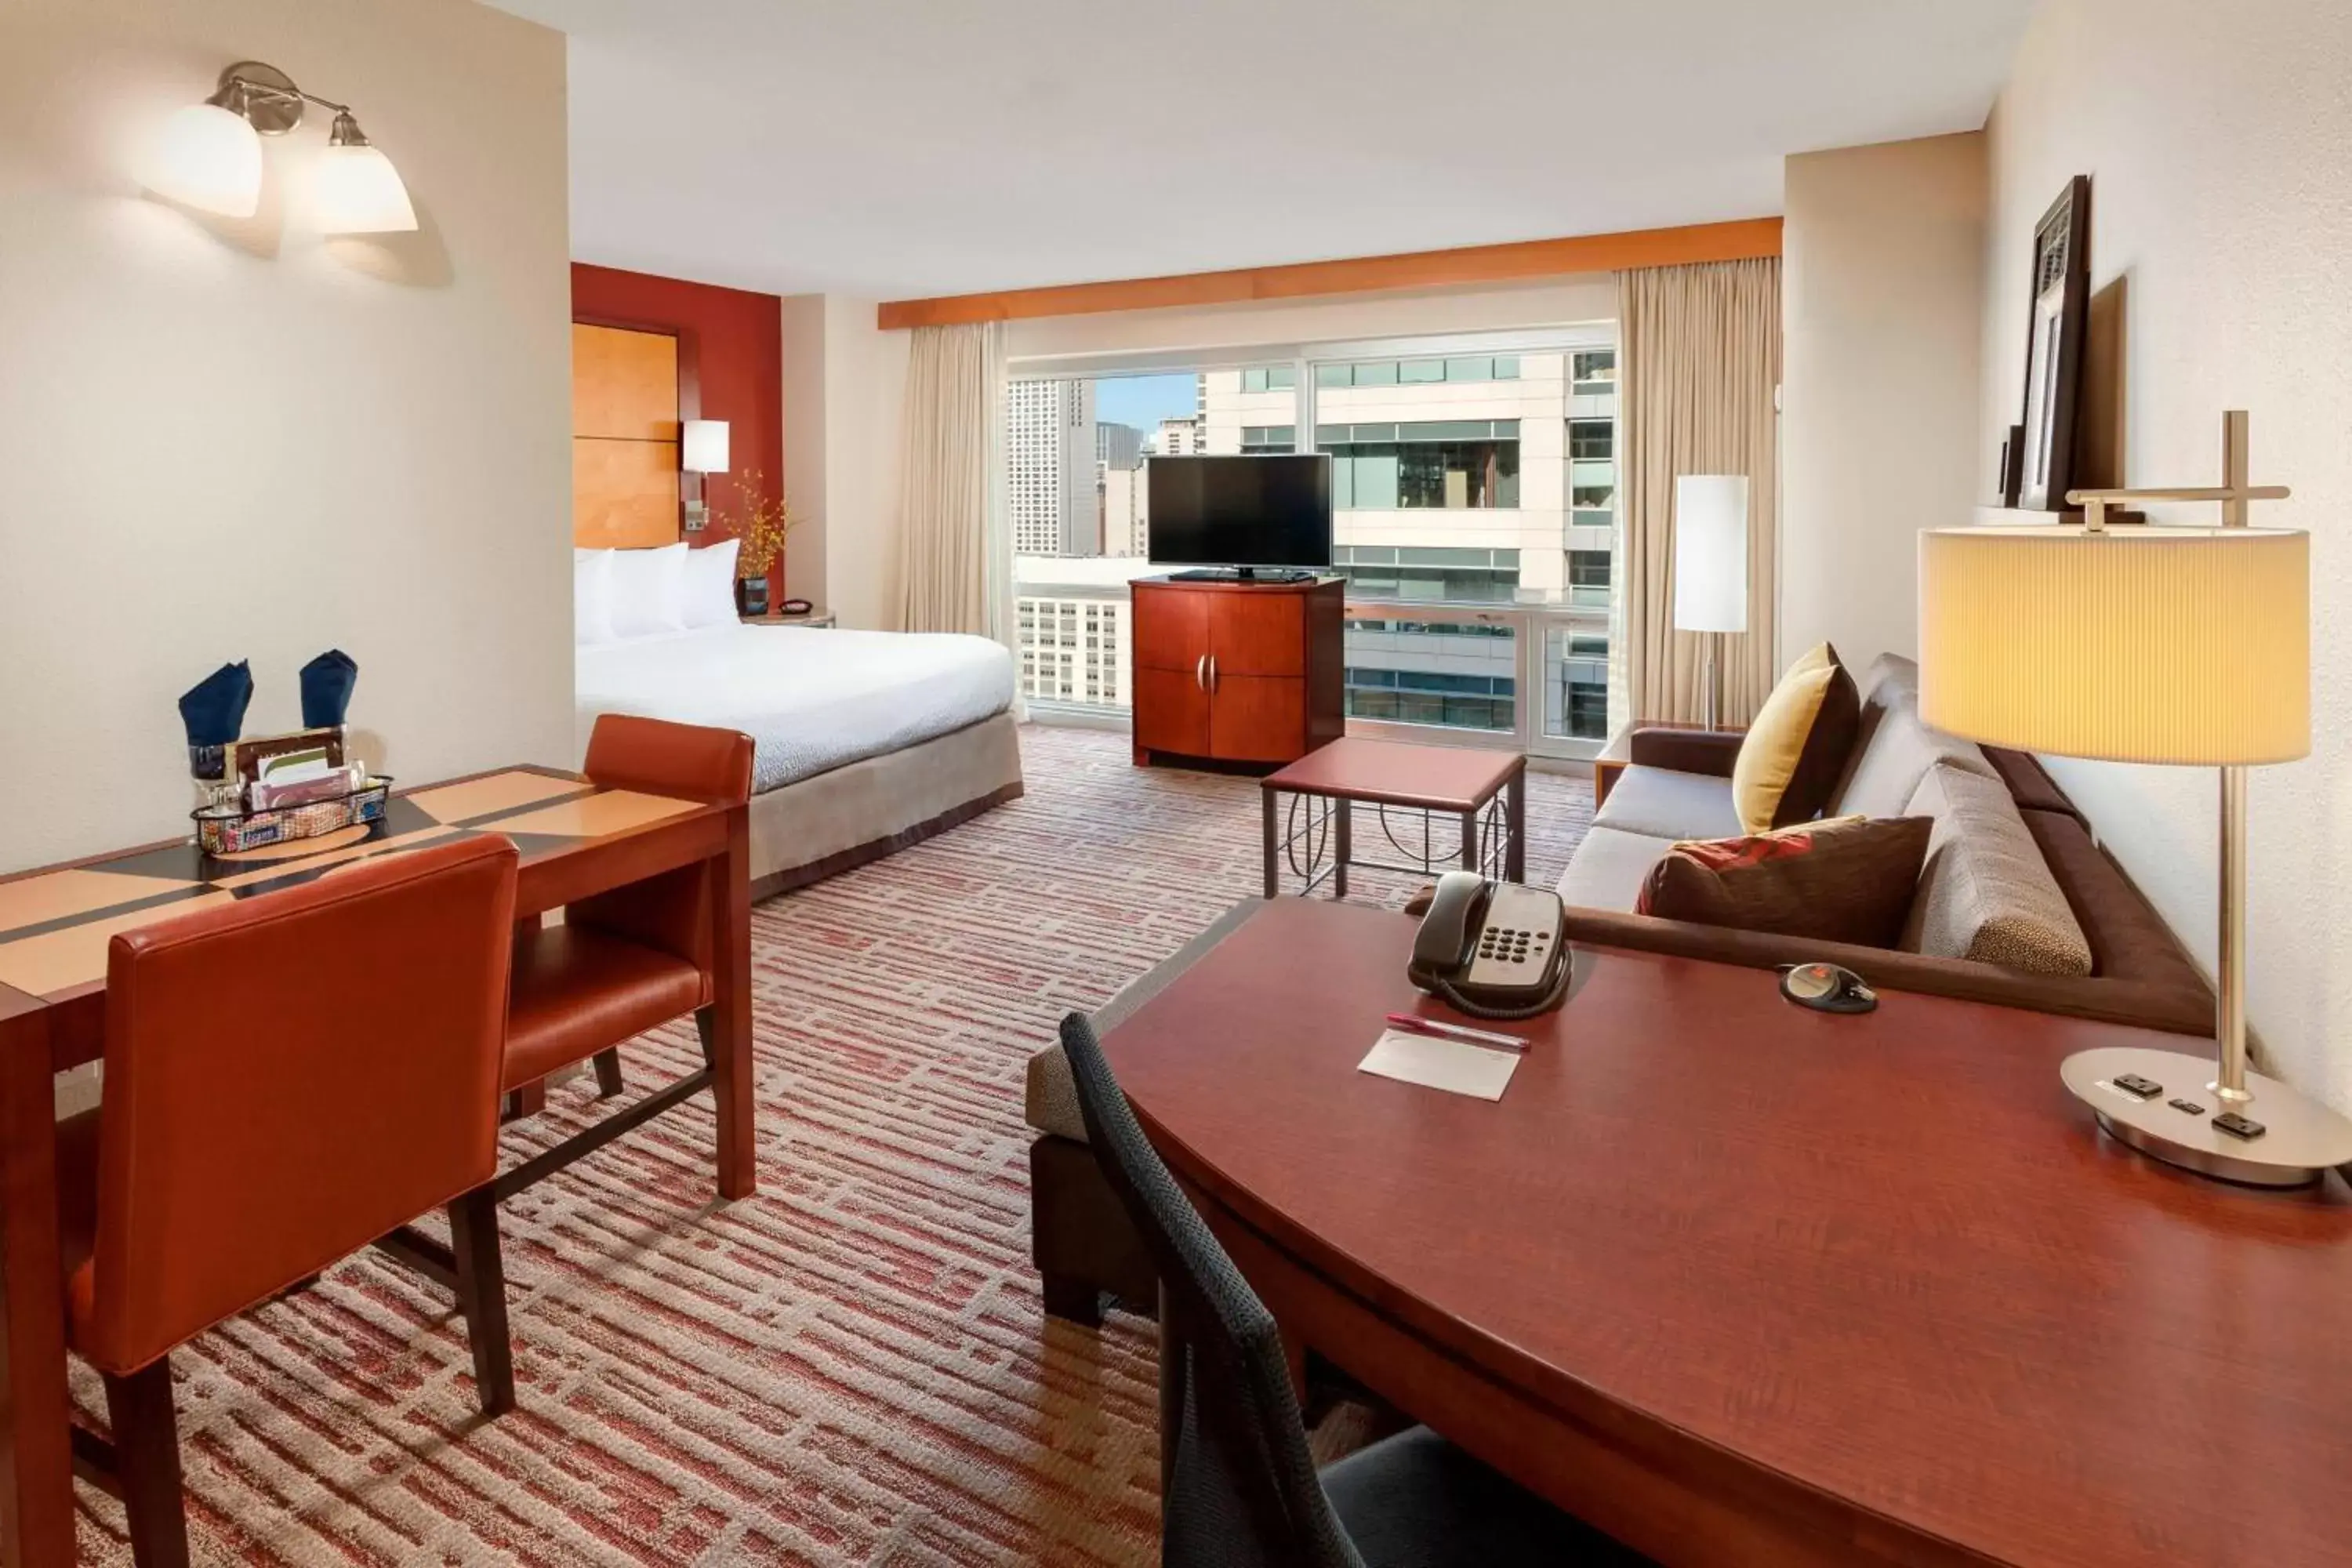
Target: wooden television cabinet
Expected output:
[1237,671]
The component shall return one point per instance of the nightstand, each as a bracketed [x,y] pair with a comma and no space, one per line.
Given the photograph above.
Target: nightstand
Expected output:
[822,618]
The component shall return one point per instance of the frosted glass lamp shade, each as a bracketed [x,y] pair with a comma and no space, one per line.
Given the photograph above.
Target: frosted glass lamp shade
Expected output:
[2138,644]
[355,190]
[205,157]
[703,447]
[1711,552]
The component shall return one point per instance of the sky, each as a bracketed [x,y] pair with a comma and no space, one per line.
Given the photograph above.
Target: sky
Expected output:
[1143,401]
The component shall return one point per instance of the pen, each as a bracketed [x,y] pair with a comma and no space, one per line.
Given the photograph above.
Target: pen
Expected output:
[1412,1023]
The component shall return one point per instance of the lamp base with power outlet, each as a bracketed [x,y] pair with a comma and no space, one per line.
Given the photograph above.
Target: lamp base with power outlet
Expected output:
[2162,1104]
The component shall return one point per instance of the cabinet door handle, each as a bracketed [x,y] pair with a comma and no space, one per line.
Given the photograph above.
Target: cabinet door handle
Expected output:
[1201,672]
[1212,674]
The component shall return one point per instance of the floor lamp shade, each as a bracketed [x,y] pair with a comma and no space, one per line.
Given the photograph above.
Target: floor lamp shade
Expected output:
[1711,552]
[2135,644]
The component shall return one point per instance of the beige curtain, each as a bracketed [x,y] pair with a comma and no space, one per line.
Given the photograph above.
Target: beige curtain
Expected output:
[1700,359]
[954,576]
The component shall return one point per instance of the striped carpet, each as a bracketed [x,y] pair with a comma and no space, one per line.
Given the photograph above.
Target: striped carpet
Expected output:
[852,1367]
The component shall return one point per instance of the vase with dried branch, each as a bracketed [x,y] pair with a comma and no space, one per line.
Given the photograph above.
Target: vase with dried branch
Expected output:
[761,525]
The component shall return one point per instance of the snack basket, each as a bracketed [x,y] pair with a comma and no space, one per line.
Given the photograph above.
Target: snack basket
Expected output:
[231,829]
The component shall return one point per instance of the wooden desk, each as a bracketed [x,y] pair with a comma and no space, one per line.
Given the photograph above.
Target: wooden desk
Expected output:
[55,925]
[1742,1283]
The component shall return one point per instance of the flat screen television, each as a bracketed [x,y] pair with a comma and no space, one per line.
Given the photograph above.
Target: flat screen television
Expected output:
[1241,513]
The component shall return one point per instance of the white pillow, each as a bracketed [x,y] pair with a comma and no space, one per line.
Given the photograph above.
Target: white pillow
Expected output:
[645,597]
[591,597]
[709,595]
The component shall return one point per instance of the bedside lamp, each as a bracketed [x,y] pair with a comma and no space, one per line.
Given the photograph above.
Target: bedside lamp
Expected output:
[2184,646]
[701,449]
[1711,562]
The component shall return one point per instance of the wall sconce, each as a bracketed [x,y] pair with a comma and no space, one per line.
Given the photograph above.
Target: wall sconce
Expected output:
[701,449]
[208,156]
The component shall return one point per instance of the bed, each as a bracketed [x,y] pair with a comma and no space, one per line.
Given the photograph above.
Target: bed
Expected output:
[864,742]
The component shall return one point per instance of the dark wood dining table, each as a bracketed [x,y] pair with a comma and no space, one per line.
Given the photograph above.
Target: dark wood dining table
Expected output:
[574,838]
[1739,1282]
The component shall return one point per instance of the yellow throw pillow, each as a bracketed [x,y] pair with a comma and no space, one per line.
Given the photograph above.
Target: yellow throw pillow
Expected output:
[1797,745]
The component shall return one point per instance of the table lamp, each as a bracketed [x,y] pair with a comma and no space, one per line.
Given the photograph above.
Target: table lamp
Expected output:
[2130,643]
[1711,562]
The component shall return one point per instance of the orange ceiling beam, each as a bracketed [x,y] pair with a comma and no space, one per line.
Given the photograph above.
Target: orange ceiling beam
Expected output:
[1736,241]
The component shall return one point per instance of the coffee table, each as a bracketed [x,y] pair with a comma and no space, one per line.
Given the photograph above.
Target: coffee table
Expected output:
[1486,790]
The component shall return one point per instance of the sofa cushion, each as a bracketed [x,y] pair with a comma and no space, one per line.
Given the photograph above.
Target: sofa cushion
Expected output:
[1848,879]
[1797,745]
[1986,893]
[1666,804]
[1609,867]
[1890,679]
[1896,754]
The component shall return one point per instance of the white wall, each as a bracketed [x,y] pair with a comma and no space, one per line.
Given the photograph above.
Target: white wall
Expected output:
[1403,313]
[222,441]
[841,448]
[2219,140]
[1882,301]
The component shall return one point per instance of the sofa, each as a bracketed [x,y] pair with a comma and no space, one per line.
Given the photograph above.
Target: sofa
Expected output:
[2016,905]
[2003,828]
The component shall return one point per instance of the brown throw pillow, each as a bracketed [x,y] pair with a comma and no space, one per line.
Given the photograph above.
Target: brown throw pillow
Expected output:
[1850,878]
[1796,749]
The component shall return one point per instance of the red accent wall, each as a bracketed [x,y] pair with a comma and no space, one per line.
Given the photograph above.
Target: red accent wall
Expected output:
[730,367]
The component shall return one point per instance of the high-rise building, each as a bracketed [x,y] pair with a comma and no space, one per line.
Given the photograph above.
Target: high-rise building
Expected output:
[1126,505]
[1117,445]
[1177,439]
[1049,430]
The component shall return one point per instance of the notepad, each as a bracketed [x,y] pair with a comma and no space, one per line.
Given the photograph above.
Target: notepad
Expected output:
[1454,1066]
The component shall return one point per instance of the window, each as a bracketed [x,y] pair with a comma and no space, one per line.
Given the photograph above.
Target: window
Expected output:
[1457,463]
[1420,372]
[1588,577]
[1475,520]
[1457,675]
[1429,575]
[1576,683]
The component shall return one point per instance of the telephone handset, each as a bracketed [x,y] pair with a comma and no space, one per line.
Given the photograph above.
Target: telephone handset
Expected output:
[1493,950]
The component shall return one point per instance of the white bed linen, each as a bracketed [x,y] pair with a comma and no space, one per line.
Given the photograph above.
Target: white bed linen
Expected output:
[811,699]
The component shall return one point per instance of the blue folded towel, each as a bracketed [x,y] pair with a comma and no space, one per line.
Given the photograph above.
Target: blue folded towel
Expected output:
[214,708]
[327,682]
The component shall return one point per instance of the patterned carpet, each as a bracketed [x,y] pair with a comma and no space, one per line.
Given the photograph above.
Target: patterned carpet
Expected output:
[852,1367]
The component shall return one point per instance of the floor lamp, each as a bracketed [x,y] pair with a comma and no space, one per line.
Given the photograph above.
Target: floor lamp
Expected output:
[2187,646]
[1711,565]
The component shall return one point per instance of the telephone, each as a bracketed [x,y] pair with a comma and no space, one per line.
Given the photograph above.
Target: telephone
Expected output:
[1493,950]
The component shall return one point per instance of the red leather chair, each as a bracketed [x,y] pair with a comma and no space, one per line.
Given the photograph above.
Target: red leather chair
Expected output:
[288,1077]
[629,959]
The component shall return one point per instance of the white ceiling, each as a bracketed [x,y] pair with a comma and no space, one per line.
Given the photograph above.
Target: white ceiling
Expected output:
[912,147]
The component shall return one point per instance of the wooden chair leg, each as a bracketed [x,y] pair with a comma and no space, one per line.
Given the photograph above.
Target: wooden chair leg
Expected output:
[147,1458]
[608,1074]
[528,1101]
[482,1297]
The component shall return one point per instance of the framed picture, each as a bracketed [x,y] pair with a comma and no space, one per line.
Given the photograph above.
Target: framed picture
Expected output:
[2053,348]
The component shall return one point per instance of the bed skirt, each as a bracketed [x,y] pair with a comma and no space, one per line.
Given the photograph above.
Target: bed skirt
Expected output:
[823,826]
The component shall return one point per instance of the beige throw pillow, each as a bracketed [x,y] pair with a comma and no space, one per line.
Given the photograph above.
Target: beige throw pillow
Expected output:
[1986,893]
